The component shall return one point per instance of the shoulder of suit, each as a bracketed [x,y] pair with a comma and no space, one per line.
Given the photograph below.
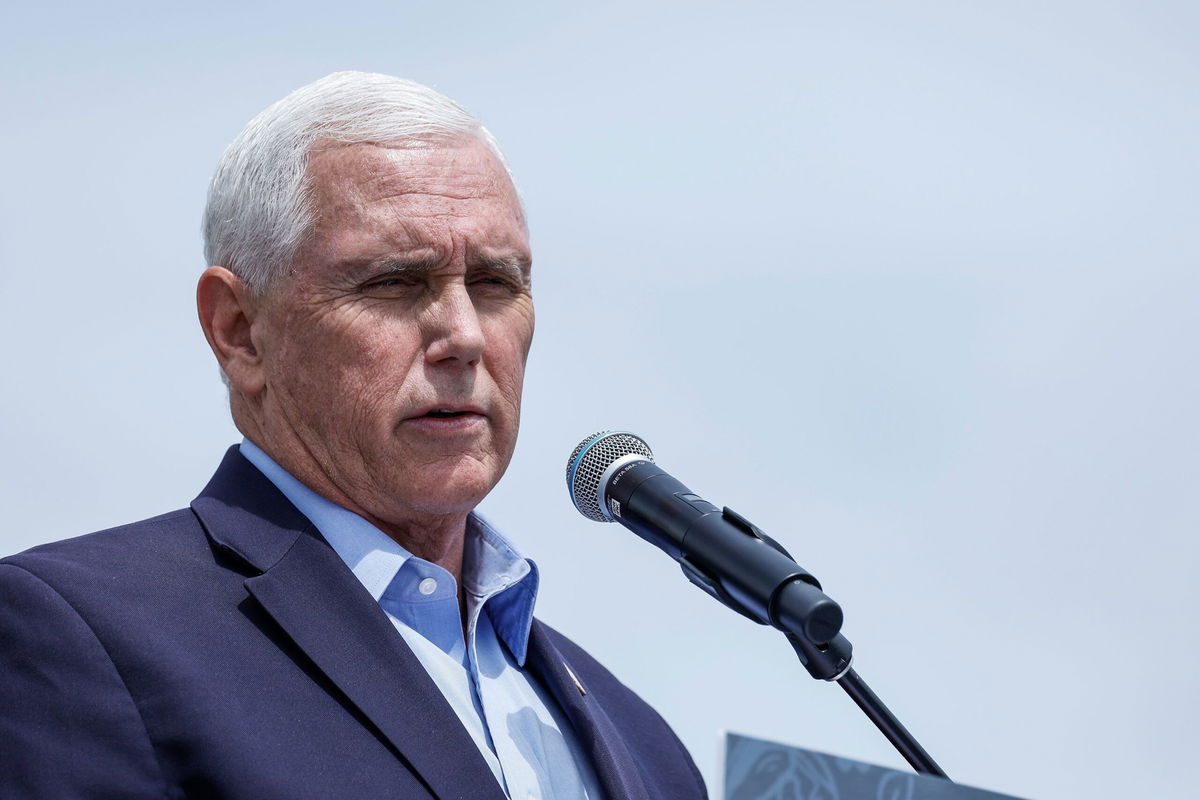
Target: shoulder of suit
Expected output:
[153,543]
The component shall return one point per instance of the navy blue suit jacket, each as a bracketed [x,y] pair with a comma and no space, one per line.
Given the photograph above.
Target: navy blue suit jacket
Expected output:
[225,650]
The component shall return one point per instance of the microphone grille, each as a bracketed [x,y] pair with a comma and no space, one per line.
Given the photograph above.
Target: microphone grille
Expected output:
[590,459]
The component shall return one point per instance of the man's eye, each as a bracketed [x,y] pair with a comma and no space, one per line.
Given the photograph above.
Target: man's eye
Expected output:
[495,282]
[390,282]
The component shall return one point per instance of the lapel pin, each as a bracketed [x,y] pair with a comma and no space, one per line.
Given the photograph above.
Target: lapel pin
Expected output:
[578,685]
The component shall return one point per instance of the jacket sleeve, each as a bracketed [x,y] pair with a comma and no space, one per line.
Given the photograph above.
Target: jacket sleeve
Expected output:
[68,725]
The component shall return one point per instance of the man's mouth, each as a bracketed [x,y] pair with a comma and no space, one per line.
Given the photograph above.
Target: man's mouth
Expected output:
[446,413]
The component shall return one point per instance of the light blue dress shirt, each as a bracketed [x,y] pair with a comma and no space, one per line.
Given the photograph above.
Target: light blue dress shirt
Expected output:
[518,727]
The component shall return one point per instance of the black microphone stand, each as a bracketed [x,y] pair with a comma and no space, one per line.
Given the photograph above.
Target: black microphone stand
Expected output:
[815,615]
[831,662]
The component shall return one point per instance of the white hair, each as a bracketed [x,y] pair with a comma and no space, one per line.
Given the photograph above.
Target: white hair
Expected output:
[260,204]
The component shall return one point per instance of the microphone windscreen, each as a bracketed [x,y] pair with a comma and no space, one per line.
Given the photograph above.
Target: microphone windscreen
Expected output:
[589,461]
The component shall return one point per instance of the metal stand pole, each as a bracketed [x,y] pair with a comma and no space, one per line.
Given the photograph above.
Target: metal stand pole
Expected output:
[831,662]
[811,622]
[896,733]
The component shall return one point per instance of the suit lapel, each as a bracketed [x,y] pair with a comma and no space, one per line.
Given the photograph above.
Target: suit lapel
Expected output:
[315,598]
[611,758]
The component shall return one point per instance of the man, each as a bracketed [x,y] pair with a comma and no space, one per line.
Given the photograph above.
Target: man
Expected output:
[329,618]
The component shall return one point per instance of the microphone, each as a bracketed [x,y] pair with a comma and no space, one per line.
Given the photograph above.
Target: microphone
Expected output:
[612,477]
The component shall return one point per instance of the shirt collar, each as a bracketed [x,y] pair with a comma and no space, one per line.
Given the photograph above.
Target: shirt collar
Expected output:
[495,573]
[493,570]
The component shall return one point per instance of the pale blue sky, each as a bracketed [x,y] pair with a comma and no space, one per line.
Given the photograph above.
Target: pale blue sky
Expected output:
[912,286]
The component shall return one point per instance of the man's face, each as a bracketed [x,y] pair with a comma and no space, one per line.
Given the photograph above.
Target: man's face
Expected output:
[394,355]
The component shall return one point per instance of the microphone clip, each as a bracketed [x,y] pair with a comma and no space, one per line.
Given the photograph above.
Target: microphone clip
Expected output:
[713,588]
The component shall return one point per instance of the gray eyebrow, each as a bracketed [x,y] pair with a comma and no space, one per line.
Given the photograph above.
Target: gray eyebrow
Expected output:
[512,267]
[408,264]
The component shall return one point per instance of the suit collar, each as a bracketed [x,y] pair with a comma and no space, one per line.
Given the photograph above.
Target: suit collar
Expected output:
[246,516]
[313,596]
[328,614]
[613,762]
[493,570]
[315,599]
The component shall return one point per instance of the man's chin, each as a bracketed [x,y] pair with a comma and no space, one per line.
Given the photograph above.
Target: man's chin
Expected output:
[451,492]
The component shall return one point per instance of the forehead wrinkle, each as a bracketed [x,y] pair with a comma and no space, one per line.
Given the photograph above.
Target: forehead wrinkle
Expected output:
[348,178]
[342,179]
[426,195]
[454,185]
[477,174]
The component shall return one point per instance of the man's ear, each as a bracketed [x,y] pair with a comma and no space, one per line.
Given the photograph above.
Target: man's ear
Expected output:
[227,311]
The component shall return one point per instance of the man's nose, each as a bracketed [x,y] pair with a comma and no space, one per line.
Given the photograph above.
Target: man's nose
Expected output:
[454,330]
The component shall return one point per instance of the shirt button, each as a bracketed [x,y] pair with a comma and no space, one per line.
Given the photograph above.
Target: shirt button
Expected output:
[427,586]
